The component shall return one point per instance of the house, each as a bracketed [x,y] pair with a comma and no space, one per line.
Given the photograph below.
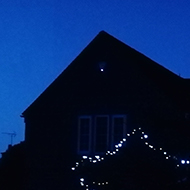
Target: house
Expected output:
[12,167]
[109,90]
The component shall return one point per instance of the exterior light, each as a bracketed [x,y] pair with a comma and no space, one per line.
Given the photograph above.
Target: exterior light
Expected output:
[84,157]
[97,157]
[183,161]
[102,65]
[145,136]
[81,179]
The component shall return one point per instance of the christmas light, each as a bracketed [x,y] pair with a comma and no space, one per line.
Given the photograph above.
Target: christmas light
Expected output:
[183,161]
[97,157]
[117,149]
[145,136]
[81,179]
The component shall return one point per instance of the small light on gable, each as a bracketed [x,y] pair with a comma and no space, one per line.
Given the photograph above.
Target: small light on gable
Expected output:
[102,65]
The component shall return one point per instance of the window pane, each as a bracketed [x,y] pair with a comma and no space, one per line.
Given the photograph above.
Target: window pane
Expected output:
[118,129]
[84,134]
[84,126]
[101,134]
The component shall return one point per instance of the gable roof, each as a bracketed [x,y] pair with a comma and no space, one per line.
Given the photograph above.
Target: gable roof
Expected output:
[103,47]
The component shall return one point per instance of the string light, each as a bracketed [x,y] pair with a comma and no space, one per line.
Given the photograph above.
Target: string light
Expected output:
[118,146]
[145,136]
[183,161]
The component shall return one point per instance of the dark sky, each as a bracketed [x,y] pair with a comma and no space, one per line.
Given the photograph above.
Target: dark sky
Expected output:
[39,38]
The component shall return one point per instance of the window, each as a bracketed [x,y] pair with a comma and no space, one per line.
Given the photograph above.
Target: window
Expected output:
[101,133]
[84,134]
[97,134]
[118,128]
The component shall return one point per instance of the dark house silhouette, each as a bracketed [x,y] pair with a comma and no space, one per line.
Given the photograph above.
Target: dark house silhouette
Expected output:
[108,91]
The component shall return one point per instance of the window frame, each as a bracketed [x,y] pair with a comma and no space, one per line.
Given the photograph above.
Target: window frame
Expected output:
[94,136]
[112,127]
[92,132]
[79,135]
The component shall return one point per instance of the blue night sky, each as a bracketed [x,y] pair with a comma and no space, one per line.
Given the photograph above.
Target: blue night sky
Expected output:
[39,38]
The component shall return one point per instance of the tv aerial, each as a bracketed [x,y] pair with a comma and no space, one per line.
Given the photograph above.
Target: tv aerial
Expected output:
[12,135]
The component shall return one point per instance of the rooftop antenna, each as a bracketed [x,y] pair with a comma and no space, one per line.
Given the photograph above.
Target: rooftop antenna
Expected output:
[11,135]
